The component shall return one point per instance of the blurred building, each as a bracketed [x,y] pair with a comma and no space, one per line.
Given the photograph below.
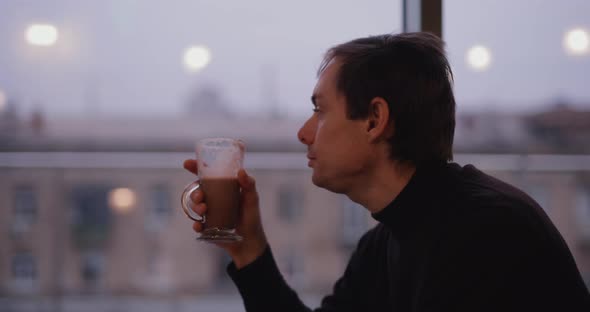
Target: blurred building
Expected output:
[68,234]
[93,207]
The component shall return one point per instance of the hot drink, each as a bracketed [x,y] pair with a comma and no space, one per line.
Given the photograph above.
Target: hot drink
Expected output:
[218,161]
[222,196]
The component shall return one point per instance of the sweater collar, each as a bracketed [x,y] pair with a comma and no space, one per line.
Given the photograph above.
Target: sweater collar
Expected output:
[415,200]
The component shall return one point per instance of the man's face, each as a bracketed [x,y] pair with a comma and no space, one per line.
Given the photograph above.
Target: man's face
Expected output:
[338,148]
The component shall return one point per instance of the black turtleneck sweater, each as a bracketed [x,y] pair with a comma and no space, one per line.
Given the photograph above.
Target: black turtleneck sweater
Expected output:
[455,239]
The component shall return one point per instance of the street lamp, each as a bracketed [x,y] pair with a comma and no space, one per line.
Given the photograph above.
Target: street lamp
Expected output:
[196,58]
[41,35]
[122,200]
[479,58]
[576,41]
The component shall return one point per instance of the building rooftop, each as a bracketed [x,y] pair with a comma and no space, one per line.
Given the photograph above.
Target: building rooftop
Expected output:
[560,130]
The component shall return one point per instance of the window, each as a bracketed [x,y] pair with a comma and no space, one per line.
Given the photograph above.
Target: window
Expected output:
[521,88]
[92,268]
[507,58]
[158,271]
[161,201]
[25,208]
[290,203]
[92,216]
[291,265]
[354,222]
[116,99]
[23,267]
[159,208]
[222,281]
[24,271]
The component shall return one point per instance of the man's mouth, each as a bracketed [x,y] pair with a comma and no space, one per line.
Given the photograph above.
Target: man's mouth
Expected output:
[310,158]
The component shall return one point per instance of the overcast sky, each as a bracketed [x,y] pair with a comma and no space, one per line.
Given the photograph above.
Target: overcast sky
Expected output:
[124,57]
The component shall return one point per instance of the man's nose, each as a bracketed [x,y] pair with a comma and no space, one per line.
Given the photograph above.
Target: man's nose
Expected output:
[306,133]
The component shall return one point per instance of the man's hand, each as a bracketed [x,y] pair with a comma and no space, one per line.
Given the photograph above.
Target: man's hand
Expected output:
[249,224]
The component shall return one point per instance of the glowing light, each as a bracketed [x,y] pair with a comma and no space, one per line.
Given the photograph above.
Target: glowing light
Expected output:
[3,100]
[41,35]
[576,41]
[196,58]
[479,58]
[122,200]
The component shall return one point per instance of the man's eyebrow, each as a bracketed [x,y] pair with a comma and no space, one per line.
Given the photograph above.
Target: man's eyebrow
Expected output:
[314,98]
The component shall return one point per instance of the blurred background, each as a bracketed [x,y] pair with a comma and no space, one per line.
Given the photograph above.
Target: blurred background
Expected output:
[101,101]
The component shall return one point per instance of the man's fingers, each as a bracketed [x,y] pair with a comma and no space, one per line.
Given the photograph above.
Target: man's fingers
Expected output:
[199,209]
[197,196]
[198,227]
[247,183]
[191,165]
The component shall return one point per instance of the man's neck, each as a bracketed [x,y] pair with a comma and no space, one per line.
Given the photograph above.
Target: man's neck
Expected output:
[382,185]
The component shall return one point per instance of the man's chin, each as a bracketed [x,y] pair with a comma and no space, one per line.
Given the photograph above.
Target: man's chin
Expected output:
[324,183]
[315,180]
[318,181]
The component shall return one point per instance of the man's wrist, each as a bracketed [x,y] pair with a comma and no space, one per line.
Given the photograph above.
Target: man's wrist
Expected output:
[244,258]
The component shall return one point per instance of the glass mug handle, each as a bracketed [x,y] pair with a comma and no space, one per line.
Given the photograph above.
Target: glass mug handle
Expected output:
[185,199]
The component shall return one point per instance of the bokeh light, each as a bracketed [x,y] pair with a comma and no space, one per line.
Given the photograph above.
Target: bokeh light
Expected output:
[122,200]
[196,58]
[576,41]
[479,58]
[41,34]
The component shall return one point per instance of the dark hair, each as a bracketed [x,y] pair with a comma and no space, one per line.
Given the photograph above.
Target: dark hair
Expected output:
[411,72]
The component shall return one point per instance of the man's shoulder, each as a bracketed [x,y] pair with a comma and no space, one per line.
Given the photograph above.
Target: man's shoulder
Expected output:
[377,232]
[476,191]
[479,199]
[374,238]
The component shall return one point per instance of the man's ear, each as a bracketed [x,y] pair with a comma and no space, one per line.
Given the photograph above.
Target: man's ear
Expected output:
[378,123]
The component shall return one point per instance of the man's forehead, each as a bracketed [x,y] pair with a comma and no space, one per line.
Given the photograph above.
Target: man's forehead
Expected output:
[327,78]
[331,69]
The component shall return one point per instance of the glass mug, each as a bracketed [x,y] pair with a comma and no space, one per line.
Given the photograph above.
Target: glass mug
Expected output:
[218,161]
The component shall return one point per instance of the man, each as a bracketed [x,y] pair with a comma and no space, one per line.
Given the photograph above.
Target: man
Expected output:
[449,238]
